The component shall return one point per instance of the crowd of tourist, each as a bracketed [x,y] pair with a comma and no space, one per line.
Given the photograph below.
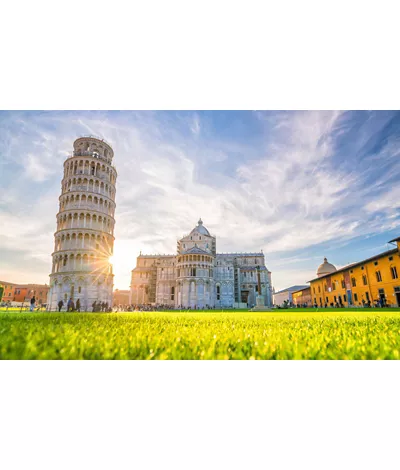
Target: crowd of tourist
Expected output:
[72,306]
[156,307]
[98,306]
[378,303]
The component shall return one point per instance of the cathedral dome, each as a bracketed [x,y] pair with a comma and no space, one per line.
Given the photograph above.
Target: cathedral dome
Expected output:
[200,229]
[325,268]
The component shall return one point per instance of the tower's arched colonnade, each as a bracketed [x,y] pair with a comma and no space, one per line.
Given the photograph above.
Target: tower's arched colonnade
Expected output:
[84,238]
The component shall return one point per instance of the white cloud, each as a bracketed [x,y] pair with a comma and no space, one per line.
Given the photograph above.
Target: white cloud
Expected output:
[195,127]
[35,169]
[291,196]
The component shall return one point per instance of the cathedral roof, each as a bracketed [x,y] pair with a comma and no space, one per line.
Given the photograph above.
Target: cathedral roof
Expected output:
[195,250]
[200,229]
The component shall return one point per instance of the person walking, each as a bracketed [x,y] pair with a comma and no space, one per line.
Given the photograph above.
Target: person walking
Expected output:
[33,302]
[69,305]
[60,305]
[78,305]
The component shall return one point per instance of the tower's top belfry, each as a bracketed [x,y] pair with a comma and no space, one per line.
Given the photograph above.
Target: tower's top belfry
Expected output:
[89,145]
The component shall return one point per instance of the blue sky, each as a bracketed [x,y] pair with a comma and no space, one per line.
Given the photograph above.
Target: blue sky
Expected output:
[299,185]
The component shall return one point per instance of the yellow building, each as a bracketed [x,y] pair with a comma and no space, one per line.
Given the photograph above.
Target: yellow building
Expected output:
[302,297]
[372,279]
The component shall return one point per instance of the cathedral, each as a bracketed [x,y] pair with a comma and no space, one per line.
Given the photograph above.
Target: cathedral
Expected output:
[199,277]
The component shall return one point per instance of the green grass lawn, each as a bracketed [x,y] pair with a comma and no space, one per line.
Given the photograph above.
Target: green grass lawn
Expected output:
[291,334]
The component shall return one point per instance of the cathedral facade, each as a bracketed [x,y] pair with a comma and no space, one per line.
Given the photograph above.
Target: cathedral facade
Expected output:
[199,277]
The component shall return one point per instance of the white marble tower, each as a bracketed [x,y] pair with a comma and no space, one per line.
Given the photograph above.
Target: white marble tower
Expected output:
[84,238]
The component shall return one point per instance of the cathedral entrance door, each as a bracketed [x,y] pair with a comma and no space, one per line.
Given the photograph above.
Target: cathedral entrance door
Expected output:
[245,296]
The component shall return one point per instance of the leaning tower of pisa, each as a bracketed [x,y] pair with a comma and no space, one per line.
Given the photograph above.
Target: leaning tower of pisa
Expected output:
[84,237]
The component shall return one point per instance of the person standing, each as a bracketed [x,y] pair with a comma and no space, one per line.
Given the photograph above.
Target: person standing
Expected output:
[78,305]
[60,305]
[69,304]
[33,302]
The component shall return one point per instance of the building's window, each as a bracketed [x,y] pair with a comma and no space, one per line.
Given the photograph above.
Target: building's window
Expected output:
[367,296]
[320,301]
[362,268]
[334,286]
[365,280]
[353,282]
[390,258]
[351,272]
[79,289]
[343,284]
[313,290]
[319,289]
[378,276]
[172,293]
[326,287]
[345,298]
[355,297]
[376,263]
[334,298]
[393,271]
[326,299]
[218,292]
